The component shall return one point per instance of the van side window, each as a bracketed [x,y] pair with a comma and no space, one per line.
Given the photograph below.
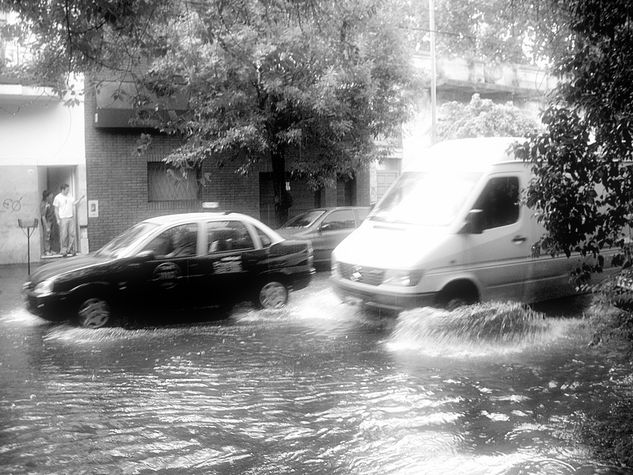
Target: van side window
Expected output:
[499,202]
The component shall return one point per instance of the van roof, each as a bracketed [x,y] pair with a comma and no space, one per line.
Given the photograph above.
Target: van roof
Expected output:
[475,154]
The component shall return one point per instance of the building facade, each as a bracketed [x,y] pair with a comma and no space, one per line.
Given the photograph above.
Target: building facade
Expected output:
[125,186]
[459,78]
[42,148]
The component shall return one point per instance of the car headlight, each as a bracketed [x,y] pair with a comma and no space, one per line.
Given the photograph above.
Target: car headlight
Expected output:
[404,278]
[44,288]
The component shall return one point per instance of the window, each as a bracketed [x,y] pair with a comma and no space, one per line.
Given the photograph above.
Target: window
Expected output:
[342,219]
[166,183]
[226,236]
[499,202]
[178,241]
[304,220]
[264,238]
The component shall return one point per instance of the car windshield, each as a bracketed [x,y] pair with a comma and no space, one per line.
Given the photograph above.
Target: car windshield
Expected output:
[123,241]
[304,220]
[424,198]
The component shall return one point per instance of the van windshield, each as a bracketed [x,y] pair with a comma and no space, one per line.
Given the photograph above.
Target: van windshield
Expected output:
[424,198]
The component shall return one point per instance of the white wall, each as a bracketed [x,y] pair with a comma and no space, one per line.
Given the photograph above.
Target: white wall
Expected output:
[35,134]
[41,133]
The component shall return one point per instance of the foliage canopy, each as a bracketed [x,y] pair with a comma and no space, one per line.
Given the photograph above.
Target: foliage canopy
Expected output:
[264,79]
[483,118]
[583,191]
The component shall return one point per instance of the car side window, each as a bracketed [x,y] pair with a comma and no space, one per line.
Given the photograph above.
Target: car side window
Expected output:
[499,202]
[177,241]
[226,236]
[341,219]
[263,237]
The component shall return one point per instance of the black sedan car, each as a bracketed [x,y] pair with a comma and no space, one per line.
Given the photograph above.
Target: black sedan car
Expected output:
[185,261]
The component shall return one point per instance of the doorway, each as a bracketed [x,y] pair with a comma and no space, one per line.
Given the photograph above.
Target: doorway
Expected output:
[51,179]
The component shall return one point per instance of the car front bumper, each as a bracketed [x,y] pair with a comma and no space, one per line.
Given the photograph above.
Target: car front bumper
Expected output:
[50,307]
[373,297]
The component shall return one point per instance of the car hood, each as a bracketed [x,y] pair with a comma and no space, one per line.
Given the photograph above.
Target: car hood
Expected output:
[390,247]
[63,266]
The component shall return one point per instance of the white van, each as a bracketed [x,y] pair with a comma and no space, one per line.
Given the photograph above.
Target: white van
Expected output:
[451,231]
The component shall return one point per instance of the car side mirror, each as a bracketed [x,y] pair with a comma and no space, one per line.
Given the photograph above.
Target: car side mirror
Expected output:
[146,255]
[474,222]
[325,227]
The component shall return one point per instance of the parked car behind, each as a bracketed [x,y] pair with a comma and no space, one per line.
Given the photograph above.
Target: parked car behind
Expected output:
[325,228]
[176,261]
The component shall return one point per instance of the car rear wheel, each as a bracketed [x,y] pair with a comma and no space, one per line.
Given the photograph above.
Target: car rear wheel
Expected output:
[272,294]
[94,312]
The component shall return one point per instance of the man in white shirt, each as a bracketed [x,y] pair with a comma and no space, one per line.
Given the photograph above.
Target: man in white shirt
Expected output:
[64,204]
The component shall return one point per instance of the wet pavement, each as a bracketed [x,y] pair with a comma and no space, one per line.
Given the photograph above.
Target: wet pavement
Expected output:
[318,387]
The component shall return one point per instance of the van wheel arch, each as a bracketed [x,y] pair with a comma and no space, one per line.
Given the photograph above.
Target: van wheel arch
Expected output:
[457,293]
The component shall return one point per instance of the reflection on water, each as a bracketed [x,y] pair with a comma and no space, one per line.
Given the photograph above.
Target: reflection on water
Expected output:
[319,387]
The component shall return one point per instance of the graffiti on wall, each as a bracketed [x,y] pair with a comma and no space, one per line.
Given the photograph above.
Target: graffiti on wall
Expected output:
[11,205]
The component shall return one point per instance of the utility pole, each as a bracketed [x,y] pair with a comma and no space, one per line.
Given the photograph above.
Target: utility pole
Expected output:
[433,73]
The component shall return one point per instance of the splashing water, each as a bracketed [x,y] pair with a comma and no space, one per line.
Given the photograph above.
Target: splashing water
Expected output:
[480,329]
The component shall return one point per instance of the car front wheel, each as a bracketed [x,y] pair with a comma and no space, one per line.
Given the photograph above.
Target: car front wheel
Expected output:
[94,312]
[272,294]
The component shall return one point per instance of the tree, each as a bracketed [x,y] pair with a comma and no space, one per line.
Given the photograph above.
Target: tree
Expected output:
[483,118]
[263,78]
[583,191]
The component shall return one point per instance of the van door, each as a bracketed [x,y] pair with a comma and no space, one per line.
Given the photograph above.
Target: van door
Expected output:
[500,255]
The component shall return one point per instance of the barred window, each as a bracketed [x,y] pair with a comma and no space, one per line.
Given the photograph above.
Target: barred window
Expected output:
[166,183]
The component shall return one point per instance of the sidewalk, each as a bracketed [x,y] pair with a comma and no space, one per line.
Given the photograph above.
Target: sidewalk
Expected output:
[12,276]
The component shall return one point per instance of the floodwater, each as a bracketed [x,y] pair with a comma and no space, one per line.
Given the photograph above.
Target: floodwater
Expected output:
[319,387]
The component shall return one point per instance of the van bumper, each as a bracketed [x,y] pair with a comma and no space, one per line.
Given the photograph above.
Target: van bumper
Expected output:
[351,293]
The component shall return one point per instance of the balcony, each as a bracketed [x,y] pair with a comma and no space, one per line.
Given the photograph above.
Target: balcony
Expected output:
[115,108]
[488,77]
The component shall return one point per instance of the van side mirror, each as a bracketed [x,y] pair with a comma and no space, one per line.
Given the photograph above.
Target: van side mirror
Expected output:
[474,222]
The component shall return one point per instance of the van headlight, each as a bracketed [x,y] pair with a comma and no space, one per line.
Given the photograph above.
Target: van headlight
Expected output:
[404,278]
[44,288]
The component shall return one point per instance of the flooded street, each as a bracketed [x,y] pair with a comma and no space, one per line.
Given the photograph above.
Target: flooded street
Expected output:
[319,387]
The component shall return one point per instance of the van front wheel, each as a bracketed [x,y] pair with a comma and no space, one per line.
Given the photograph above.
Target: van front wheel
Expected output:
[456,302]
[458,294]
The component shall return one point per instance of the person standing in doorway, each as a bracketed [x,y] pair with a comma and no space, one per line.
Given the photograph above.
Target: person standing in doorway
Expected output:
[64,204]
[47,214]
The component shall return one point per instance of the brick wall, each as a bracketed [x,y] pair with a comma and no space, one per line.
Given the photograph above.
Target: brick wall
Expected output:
[117,177]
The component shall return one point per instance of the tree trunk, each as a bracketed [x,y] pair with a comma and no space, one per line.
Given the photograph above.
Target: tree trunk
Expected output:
[283,200]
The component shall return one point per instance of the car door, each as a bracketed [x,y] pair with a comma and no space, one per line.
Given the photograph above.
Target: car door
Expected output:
[500,255]
[223,274]
[164,277]
[335,227]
